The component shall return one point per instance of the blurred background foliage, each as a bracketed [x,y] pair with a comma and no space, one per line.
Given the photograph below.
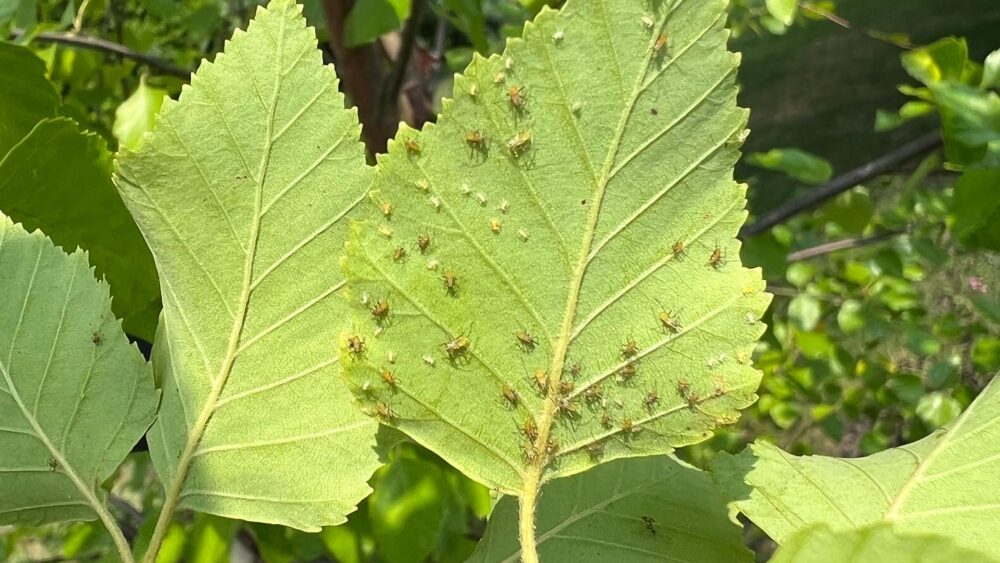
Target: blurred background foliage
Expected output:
[886,318]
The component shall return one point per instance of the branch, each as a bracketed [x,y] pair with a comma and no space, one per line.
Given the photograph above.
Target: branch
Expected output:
[829,247]
[816,196]
[103,45]
[389,102]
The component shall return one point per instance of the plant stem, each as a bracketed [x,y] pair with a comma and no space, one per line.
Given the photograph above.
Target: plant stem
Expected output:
[121,544]
[526,516]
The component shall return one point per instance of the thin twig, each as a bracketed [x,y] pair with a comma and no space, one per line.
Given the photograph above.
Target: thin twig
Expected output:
[394,84]
[816,196]
[827,248]
[103,45]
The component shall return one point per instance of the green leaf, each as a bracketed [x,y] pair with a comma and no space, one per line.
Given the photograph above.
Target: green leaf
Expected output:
[976,211]
[587,218]
[872,544]
[970,120]
[937,409]
[467,16]
[27,96]
[137,114]
[991,71]
[371,19]
[942,484]
[783,10]
[241,191]
[58,179]
[638,510]
[210,539]
[940,61]
[75,396]
[799,164]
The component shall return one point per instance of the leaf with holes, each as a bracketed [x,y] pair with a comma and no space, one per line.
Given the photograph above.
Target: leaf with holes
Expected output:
[550,276]
[241,191]
[75,396]
[646,509]
[943,484]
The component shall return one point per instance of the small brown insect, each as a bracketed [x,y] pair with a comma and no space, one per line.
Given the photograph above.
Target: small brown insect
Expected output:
[530,430]
[566,387]
[678,249]
[525,340]
[718,258]
[542,380]
[53,464]
[389,378]
[660,44]
[653,111]
[651,399]
[399,253]
[450,282]
[380,310]
[96,338]
[565,407]
[575,369]
[630,349]
[386,208]
[510,395]
[595,450]
[551,446]
[606,420]
[495,225]
[649,522]
[519,143]
[457,347]
[593,394]
[529,453]
[424,242]
[385,412]
[412,146]
[627,371]
[475,138]
[516,96]
[670,322]
[628,426]
[356,345]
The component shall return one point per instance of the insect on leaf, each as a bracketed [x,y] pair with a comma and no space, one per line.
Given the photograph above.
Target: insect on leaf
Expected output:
[241,191]
[943,484]
[75,396]
[600,218]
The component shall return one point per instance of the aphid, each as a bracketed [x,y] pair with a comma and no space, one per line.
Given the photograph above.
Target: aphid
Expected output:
[390,357]
[504,205]
[525,340]
[389,378]
[750,318]
[558,36]
[654,111]
[424,242]
[429,360]
[530,430]
[576,108]
[495,226]
[516,96]
[523,234]
[450,282]
[595,450]
[551,446]
[380,309]
[529,453]
[542,380]
[575,369]
[386,208]
[670,322]
[436,202]
[457,347]
[627,371]
[628,426]
[96,338]
[649,522]
[508,63]
[473,90]
[630,349]
[399,253]
[475,138]
[53,464]
[678,249]
[565,407]
[482,198]
[651,399]
[385,231]
[606,420]
[660,44]
[422,184]
[384,411]
[510,395]
[365,298]
[356,345]
[466,190]
[647,22]
[499,78]
[519,144]
[566,387]
[432,264]
[718,258]
[684,388]
[412,146]
[593,394]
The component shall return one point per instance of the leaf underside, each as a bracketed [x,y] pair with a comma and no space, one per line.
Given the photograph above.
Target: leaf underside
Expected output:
[241,191]
[75,396]
[579,189]
[877,543]
[944,484]
[646,509]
